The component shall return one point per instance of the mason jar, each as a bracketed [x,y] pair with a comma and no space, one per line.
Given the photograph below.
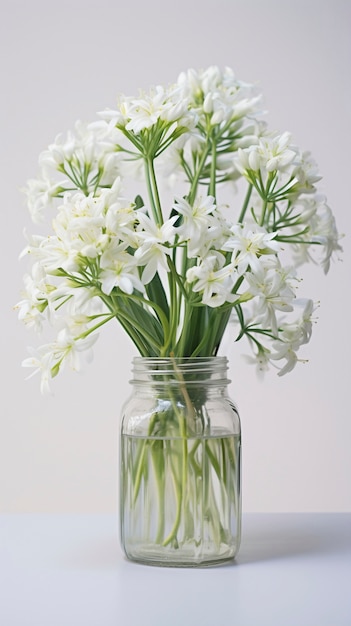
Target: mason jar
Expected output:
[180,464]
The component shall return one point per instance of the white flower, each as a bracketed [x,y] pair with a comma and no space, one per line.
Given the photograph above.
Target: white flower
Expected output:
[305,171]
[248,245]
[143,112]
[326,234]
[154,241]
[87,157]
[40,193]
[213,280]
[285,350]
[50,358]
[33,247]
[292,335]
[109,120]
[35,299]
[160,104]
[321,239]
[274,153]
[68,348]
[106,131]
[270,286]
[197,220]
[217,94]
[261,359]
[304,322]
[54,252]
[80,213]
[121,217]
[57,253]
[58,152]
[195,217]
[119,270]
[41,362]
[271,153]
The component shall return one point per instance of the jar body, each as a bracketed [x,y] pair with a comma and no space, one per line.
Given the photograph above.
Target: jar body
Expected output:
[180,473]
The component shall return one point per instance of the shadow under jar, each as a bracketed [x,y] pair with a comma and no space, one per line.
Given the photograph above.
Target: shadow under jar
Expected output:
[180,472]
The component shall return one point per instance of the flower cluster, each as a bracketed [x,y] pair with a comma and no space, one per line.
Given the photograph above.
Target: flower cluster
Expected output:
[174,272]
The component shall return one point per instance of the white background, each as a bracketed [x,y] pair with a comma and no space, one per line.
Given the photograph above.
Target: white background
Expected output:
[63,61]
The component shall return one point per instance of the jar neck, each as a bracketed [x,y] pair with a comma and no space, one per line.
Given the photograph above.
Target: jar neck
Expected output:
[192,371]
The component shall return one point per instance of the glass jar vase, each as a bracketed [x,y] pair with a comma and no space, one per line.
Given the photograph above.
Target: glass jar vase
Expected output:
[180,483]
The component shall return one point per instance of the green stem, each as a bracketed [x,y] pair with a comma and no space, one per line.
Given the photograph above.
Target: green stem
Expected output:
[180,349]
[197,174]
[137,337]
[182,421]
[263,214]
[207,338]
[212,185]
[91,330]
[266,197]
[158,459]
[141,329]
[153,191]
[162,317]
[180,490]
[141,461]
[139,471]
[174,315]
[245,204]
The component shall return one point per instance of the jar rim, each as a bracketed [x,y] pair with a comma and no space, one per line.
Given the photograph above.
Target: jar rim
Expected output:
[192,370]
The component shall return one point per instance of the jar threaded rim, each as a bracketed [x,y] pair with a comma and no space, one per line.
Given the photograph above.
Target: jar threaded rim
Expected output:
[190,370]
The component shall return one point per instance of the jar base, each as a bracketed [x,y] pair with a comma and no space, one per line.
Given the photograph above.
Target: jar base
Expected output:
[146,555]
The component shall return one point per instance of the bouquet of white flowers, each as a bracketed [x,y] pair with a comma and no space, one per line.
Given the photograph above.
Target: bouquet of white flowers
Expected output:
[174,270]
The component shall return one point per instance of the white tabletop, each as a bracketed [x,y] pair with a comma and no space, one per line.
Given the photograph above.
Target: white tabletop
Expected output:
[68,570]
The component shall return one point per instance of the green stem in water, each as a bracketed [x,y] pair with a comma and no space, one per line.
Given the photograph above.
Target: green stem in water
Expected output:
[158,459]
[180,490]
[141,462]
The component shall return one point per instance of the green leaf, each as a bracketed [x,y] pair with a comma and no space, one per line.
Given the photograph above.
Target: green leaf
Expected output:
[143,319]
[139,202]
[156,293]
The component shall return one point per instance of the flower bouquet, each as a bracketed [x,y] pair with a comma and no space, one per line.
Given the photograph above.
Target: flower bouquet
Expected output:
[174,214]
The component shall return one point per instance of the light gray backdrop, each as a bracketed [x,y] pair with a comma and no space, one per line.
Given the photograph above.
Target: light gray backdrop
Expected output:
[63,61]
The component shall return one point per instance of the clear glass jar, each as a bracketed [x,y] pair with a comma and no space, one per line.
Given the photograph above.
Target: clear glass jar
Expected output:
[180,483]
